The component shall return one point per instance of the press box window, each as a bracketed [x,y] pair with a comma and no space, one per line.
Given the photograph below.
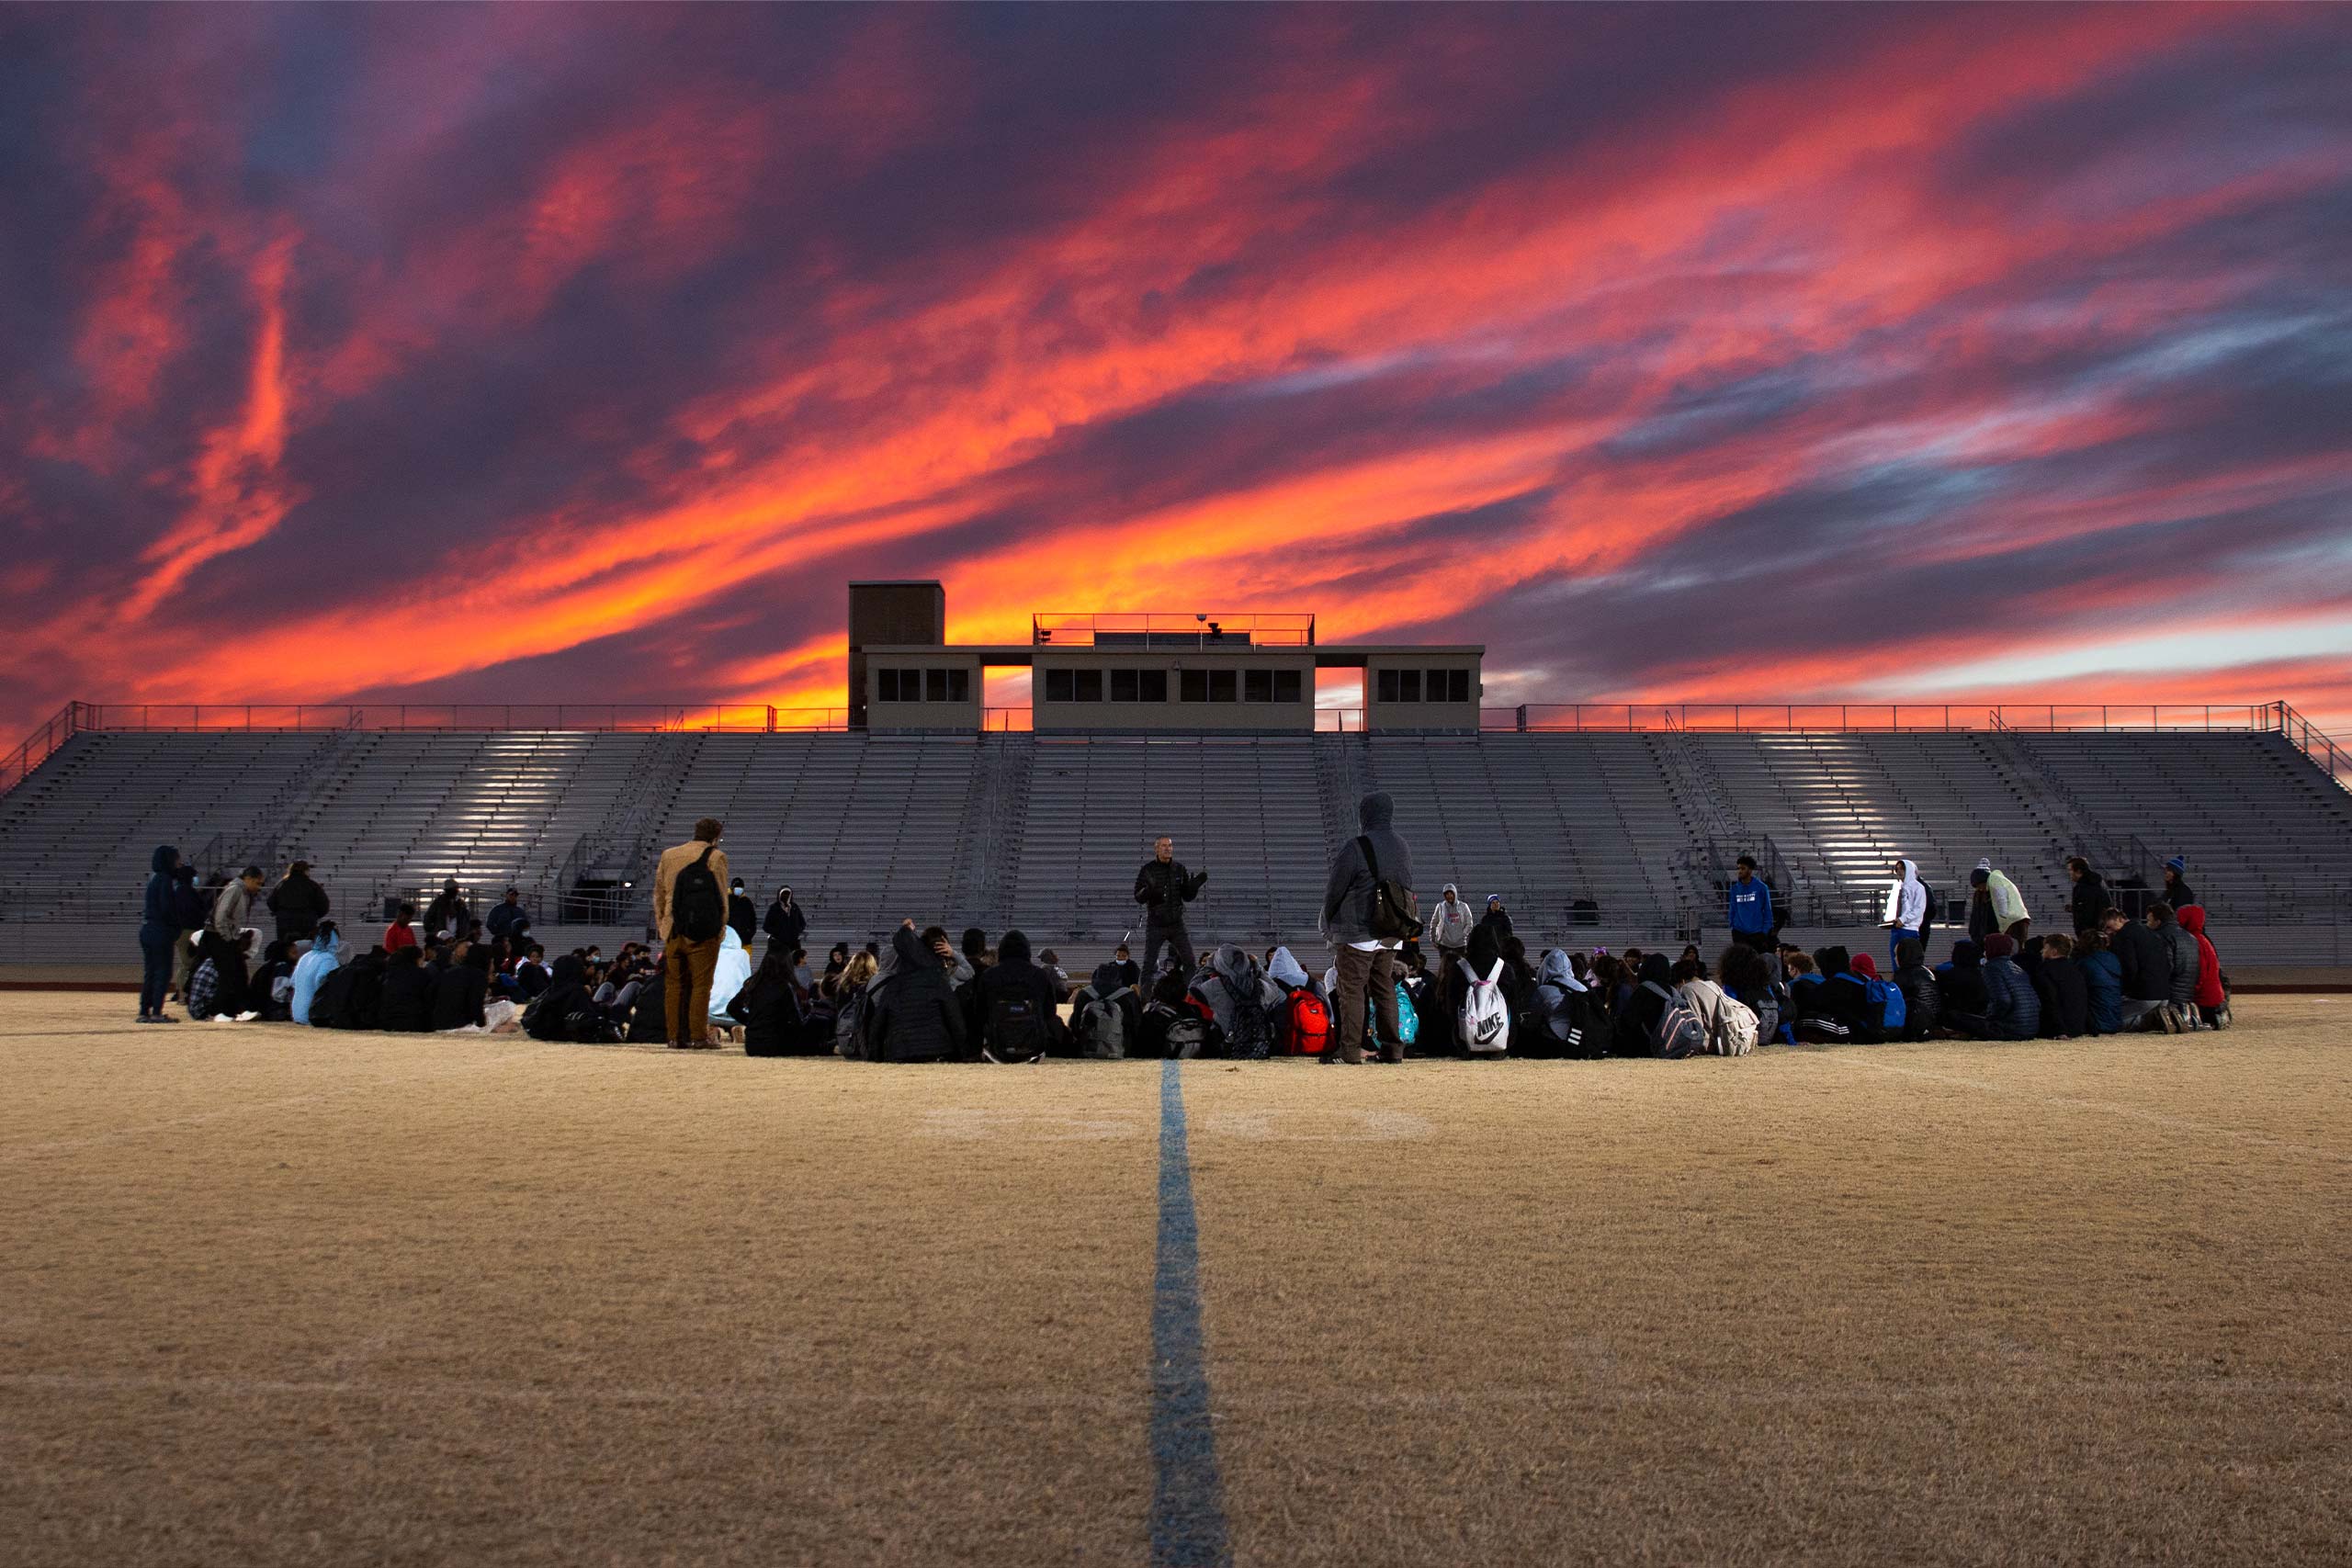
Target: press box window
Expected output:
[1449,685]
[885,686]
[1089,685]
[1224,685]
[1287,687]
[1138,686]
[1060,687]
[1194,686]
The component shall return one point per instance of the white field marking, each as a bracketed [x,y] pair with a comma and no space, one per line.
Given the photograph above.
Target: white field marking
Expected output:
[1032,1126]
[1248,1396]
[247,1107]
[1356,1126]
[2137,1114]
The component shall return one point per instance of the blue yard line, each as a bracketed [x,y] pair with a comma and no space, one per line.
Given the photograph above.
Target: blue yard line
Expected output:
[1187,1494]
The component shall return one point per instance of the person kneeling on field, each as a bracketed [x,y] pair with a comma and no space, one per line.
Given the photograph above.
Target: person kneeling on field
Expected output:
[2064,992]
[2012,1010]
[2211,994]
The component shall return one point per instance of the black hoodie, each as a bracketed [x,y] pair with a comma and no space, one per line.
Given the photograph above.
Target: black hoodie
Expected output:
[408,997]
[1014,975]
[299,905]
[769,1005]
[565,1011]
[155,908]
[915,1017]
[2090,899]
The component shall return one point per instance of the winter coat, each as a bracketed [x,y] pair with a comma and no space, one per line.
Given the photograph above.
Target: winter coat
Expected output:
[744,915]
[408,998]
[915,1016]
[1284,969]
[2008,904]
[1164,887]
[1015,976]
[2146,957]
[1449,923]
[2089,901]
[1922,999]
[1748,907]
[2183,946]
[459,992]
[156,905]
[2012,1007]
[189,908]
[2065,998]
[299,905]
[2178,893]
[315,966]
[230,908]
[2208,991]
[1347,888]
[1496,921]
[773,1021]
[2103,980]
[509,920]
[447,912]
[1959,984]
[1906,899]
[787,924]
[1636,1032]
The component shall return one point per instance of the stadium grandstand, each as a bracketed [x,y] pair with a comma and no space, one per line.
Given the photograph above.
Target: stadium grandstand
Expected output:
[1598,825]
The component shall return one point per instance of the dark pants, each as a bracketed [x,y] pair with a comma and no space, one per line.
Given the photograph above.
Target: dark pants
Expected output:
[1757,942]
[686,969]
[229,972]
[1363,974]
[155,949]
[1179,940]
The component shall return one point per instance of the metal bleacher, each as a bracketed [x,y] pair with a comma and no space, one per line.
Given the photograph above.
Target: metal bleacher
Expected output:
[1047,832]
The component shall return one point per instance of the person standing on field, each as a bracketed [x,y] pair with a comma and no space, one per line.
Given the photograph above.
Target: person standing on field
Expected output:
[1364,956]
[690,913]
[1163,887]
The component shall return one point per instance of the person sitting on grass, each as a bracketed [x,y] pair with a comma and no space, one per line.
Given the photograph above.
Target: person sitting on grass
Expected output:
[2060,985]
[324,957]
[2102,980]
[915,1016]
[407,1004]
[2146,961]
[1922,997]
[2012,1010]
[210,988]
[272,989]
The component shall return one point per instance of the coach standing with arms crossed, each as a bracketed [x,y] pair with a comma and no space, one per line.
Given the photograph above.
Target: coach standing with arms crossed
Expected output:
[1163,888]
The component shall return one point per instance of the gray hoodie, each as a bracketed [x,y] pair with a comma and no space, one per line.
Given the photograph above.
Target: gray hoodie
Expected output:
[1347,891]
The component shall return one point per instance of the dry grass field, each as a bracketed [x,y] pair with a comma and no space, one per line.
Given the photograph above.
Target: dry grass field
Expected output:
[271,1296]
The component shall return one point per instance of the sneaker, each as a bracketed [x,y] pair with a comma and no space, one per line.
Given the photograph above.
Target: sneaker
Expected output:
[247,1017]
[163,1018]
[146,1018]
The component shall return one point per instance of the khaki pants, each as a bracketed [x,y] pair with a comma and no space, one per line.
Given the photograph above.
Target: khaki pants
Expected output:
[1361,972]
[686,969]
[184,960]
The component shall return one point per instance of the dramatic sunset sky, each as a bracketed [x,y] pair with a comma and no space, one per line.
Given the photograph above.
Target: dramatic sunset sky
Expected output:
[527,352]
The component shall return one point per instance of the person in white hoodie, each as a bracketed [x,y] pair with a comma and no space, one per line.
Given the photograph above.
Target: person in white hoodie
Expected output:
[1448,930]
[1906,906]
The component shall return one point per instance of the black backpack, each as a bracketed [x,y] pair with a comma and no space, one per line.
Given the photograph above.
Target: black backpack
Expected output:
[1396,913]
[1015,1032]
[363,998]
[698,905]
[1927,916]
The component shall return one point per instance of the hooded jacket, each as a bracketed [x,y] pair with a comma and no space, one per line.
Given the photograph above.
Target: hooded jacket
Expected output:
[447,912]
[1960,983]
[2008,904]
[1347,889]
[2088,901]
[156,906]
[1450,923]
[1906,899]
[1748,906]
[459,993]
[915,1016]
[769,1005]
[312,970]
[188,903]
[230,908]
[1636,1032]
[787,923]
[2178,893]
[2208,991]
[744,915]
[407,1005]
[1284,970]
[1015,974]
[2182,945]
[1922,999]
[2012,1007]
[299,905]
[1560,1010]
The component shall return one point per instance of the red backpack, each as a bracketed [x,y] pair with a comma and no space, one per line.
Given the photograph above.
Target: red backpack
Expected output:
[1306,1025]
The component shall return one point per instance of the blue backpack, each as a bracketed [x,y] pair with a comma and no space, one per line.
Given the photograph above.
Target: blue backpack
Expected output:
[1887,995]
[1408,1023]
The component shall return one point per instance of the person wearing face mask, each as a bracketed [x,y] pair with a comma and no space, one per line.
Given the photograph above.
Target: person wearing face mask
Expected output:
[787,923]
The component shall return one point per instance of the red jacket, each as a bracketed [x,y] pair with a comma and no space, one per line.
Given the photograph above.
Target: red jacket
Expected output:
[2209,993]
[399,936]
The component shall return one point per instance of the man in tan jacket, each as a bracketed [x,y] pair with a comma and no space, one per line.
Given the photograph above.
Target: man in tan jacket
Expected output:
[689,957]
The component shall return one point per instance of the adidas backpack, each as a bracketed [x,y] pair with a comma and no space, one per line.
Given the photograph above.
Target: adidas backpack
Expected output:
[1484,1021]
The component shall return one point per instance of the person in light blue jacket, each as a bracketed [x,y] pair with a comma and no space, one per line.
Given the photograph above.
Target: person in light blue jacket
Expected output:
[310,972]
[1750,907]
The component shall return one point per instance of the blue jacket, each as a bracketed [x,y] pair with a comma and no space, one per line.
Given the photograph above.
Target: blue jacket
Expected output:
[2012,1007]
[2103,972]
[156,909]
[311,971]
[1751,906]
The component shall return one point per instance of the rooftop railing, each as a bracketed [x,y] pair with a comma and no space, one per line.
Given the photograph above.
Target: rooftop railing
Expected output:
[1157,629]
